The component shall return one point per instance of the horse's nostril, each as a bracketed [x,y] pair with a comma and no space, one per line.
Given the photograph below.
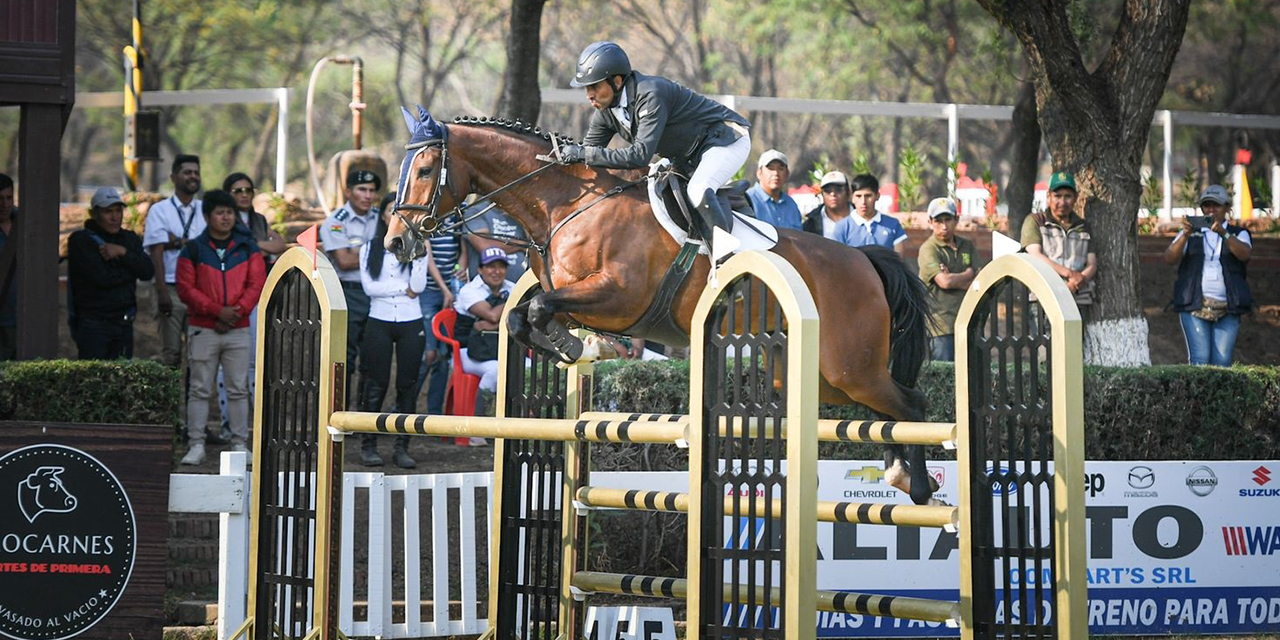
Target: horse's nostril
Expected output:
[396,244]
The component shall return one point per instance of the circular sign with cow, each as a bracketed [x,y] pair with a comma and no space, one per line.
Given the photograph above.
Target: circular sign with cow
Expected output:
[67,542]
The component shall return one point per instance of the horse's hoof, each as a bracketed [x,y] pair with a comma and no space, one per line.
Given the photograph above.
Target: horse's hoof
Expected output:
[897,477]
[934,502]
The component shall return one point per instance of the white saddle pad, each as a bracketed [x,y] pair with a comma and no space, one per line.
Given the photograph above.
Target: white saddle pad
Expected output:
[751,234]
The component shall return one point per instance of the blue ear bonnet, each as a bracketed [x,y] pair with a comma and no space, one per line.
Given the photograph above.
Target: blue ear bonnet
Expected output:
[422,129]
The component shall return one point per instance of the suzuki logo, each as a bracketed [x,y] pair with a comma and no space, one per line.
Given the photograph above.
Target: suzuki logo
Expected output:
[1261,475]
[1141,477]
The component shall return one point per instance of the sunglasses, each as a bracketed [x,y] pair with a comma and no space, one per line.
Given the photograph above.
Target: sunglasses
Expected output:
[833,189]
[243,191]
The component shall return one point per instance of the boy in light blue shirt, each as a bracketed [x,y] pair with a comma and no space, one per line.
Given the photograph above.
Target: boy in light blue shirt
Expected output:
[866,225]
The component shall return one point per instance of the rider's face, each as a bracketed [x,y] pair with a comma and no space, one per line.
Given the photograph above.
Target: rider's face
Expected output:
[600,94]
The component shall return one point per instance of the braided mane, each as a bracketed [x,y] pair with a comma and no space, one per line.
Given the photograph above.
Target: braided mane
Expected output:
[516,126]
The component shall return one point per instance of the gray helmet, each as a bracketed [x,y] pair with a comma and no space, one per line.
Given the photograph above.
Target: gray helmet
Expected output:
[598,61]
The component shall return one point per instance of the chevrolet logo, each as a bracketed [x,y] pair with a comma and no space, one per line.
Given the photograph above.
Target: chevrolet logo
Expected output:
[868,475]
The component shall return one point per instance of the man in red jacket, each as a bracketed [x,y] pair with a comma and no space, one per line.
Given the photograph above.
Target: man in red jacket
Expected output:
[220,276]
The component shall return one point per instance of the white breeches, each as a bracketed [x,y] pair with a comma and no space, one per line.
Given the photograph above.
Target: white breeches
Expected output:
[717,167]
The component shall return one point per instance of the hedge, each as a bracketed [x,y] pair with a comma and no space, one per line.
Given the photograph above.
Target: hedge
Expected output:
[1151,413]
[1173,412]
[90,391]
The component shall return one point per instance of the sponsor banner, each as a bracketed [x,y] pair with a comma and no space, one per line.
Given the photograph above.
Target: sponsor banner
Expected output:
[1173,547]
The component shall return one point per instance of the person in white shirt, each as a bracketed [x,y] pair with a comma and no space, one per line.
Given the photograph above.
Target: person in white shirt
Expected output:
[480,304]
[171,223]
[394,326]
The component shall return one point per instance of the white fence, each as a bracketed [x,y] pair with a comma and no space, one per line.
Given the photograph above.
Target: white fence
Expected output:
[423,509]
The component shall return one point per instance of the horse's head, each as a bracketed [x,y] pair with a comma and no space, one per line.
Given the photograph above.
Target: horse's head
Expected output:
[426,191]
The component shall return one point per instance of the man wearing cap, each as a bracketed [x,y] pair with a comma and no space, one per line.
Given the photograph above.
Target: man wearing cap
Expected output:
[948,265]
[1061,238]
[479,305]
[1212,289]
[867,226]
[343,233]
[105,262]
[835,207]
[171,224]
[769,195]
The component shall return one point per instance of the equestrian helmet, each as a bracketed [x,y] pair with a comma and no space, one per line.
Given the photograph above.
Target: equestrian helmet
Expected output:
[600,60]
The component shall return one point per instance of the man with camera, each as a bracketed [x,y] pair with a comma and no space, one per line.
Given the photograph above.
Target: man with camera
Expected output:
[1212,290]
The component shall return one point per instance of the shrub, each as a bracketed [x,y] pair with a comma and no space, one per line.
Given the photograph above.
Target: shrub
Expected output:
[91,391]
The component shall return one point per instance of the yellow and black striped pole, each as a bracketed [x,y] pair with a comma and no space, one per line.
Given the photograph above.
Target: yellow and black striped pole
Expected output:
[133,58]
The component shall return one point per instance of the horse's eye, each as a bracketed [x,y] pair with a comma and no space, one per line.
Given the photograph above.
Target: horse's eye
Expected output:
[424,172]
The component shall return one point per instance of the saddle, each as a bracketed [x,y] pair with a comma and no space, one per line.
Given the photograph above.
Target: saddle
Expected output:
[732,196]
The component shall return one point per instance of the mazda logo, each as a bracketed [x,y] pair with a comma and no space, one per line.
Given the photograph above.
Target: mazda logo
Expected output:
[1141,477]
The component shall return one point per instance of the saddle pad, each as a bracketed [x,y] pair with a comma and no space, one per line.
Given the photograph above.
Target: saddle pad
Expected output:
[751,234]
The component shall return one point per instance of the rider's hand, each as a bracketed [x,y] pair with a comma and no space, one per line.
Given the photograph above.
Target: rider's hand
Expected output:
[571,153]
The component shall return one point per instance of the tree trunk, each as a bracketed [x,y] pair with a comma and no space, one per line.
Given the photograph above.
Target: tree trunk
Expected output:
[1096,124]
[521,97]
[1025,163]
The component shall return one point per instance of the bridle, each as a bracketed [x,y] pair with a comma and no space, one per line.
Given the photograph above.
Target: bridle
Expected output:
[431,223]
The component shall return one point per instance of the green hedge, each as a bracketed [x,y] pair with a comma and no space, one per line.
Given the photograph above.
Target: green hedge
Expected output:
[90,391]
[1175,412]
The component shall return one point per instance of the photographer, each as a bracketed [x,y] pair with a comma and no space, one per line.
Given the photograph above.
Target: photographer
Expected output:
[1211,292]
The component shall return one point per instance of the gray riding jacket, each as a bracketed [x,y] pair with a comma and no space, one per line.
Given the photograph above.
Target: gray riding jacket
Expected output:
[667,119]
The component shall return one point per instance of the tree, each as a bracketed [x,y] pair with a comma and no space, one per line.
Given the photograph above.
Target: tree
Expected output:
[1096,125]
[521,96]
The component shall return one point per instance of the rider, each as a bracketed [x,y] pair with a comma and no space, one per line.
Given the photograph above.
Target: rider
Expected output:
[659,116]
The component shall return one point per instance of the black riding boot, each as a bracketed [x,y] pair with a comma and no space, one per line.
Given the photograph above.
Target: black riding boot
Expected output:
[373,392]
[713,215]
[369,451]
[401,456]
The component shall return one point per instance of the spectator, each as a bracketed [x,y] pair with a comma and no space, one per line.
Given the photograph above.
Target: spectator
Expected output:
[834,208]
[9,306]
[867,226]
[395,325]
[769,195]
[1061,239]
[948,265]
[496,229]
[347,229]
[1212,290]
[255,225]
[480,305]
[241,187]
[171,223]
[104,264]
[449,259]
[220,276]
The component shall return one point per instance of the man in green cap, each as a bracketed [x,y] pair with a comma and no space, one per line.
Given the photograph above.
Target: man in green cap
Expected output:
[1061,238]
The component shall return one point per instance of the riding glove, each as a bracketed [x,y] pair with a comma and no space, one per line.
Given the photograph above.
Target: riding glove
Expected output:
[571,153]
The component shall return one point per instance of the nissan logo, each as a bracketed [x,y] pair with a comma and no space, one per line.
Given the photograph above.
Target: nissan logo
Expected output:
[1201,481]
[1141,477]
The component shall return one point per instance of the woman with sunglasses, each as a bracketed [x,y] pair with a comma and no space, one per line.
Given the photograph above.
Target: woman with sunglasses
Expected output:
[241,187]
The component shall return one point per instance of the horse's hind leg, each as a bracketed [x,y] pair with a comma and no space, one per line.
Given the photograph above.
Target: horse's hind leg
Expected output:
[904,465]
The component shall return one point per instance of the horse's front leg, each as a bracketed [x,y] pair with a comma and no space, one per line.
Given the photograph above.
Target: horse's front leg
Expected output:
[584,297]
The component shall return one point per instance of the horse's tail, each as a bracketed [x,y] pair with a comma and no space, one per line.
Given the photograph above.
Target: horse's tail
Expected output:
[909,313]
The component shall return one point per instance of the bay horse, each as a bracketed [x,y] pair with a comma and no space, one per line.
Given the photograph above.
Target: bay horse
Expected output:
[607,262]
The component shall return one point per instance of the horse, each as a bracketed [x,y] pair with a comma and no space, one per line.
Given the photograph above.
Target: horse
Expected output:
[607,255]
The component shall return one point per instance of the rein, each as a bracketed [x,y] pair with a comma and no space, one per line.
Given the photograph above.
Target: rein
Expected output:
[431,222]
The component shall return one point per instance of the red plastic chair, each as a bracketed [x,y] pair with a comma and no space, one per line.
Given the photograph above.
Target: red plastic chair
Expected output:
[460,393]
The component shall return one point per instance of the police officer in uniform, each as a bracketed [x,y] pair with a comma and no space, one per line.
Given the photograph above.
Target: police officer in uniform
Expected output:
[704,139]
[345,230]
